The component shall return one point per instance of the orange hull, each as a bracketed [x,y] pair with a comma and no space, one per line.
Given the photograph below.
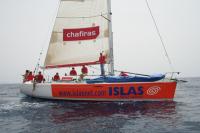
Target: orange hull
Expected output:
[115,91]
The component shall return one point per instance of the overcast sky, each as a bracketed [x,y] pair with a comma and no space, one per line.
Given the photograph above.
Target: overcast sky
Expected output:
[25,28]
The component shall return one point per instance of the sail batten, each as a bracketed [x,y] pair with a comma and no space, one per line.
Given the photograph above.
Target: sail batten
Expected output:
[79,35]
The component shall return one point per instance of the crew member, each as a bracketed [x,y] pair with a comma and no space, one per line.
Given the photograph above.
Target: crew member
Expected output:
[39,78]
[25,76]
[30,76]
[84,70]
[56,77]
[81,77]
[102,61]
[123,74]
[73,72]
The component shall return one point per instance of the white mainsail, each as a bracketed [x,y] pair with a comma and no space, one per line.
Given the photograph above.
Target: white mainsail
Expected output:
[80,34]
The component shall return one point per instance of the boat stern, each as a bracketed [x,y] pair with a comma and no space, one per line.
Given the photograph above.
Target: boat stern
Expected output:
[38,90]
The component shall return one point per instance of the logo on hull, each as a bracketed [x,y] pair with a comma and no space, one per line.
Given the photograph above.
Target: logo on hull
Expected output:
[153,90]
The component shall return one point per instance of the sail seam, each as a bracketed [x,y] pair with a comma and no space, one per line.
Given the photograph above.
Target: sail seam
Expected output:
[95,16]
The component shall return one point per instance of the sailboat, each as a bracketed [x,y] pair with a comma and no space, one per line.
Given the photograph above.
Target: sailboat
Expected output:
[82,30]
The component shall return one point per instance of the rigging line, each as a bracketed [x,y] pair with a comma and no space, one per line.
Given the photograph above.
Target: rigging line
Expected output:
[159,34]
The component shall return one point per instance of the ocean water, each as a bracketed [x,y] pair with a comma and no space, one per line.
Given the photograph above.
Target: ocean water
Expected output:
[22,114]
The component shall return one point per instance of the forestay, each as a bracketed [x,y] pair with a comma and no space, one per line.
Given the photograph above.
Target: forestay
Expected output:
[80,33]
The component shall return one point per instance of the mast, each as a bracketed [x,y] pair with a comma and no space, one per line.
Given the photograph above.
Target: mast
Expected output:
[111,63]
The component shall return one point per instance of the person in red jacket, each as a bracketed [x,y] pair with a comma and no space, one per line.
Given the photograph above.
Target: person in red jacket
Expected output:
[30,76]
[123,74]
[84,70]
[73,72]
[56,77]
[39,78]
[102,61]
[25,76]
